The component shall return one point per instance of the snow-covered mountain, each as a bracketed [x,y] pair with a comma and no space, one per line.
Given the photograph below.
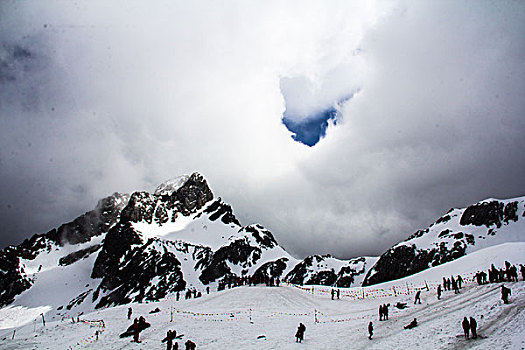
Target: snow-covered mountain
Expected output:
[455,234]
[147,246]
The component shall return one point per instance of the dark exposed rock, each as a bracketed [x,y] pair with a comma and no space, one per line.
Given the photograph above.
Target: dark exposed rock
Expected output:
[396,263]
[76,256]
[132,280]
[300,272]
[93,223]
[345,277]
[262,236]
[418,234]
[307,272]
[237,252]
[12,281]
[510,213]
[140,207]
[118,242]
[271,269]
[79,299]
[406,260]
[193,194]
[489,214]
[444,219]
[218,209]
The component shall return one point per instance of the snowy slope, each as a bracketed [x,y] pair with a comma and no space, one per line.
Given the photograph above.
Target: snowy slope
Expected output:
[149,246]
[267,317]
[146,247]
[457,233]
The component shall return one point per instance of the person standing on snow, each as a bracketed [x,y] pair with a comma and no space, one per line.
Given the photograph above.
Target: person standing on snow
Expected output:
[370,330]
[190,345]
[168,340]
[418,297]
[130,311]
[473,328]
[439,292]
[460,281]
[299,335]
[466,327]
[505,292]
[136,331]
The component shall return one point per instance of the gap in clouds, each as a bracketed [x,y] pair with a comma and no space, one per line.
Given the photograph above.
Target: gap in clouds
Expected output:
[310,109]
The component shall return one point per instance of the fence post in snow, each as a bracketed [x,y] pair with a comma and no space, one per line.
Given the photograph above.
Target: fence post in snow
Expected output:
[408,290]
[43,320]
[13,334]
[426,285]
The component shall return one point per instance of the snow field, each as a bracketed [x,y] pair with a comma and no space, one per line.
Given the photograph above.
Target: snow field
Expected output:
[267,317]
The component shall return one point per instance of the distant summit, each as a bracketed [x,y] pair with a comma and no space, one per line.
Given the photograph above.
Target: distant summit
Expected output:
[147,246]
[455,234]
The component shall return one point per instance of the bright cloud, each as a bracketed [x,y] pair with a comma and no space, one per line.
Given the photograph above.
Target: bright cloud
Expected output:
[120,97]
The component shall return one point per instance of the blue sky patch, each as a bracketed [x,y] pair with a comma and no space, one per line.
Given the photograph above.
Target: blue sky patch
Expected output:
[309,130]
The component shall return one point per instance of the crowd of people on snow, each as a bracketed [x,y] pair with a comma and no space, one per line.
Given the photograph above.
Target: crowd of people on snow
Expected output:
[507,274]
[495,275]
[140,324]
[335,293]
[235,281]
[451,284]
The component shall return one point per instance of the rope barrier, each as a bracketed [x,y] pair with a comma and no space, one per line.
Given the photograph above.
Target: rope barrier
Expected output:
[101,327]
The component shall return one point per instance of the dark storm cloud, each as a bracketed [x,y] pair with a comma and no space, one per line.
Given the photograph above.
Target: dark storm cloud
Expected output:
[97,97]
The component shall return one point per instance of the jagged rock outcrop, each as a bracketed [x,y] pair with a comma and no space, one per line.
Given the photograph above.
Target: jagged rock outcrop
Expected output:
[147,272]
[326,270]
[490,214]
[92,223]
[146,246]
[452,236]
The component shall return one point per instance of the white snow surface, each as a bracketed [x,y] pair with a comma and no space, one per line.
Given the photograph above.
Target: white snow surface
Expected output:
[194,229]
[508,232]
[267,317]
[170,186]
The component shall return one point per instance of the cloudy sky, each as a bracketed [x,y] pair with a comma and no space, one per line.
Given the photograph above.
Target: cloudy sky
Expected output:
[342,126]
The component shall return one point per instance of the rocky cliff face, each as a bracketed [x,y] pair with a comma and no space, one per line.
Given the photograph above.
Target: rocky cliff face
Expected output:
[455,234]
[147,246]
[329,271]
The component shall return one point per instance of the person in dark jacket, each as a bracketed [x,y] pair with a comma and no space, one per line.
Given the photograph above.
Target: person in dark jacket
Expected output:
[136,331]
[299,335]
[466,327]
[130,312]
[418,297]
[190,345]
[505,292]
[370,330]
[439,292]
[411,324]
[169,340]
[473,328]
